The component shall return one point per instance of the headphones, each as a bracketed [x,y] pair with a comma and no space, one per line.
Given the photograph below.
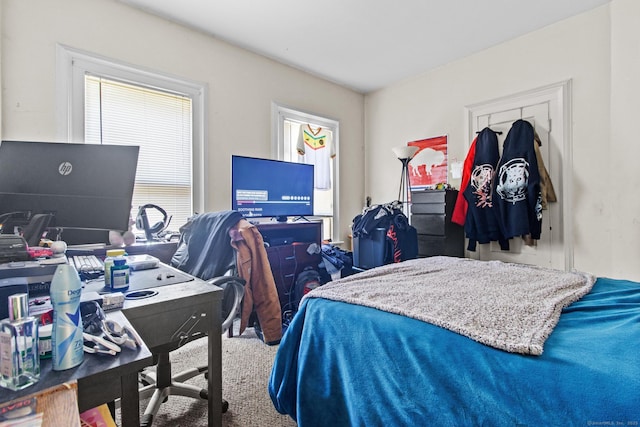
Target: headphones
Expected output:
[142,221]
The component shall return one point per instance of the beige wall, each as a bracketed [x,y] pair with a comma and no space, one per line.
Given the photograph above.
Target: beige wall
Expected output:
[622,173]
[241,85]
[599,51]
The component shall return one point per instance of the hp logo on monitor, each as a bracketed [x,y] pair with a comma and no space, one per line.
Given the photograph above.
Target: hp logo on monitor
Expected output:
[65,168]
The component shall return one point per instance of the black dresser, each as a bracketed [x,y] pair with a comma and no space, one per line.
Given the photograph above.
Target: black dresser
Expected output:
[431,216]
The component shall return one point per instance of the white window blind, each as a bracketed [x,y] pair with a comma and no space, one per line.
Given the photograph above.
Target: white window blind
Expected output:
[157,121]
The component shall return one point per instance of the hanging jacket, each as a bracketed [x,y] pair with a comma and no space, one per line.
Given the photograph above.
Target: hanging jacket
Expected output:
[260,292]
[204,250]
[517,198]
[459,214]
[546,186]
[481,224]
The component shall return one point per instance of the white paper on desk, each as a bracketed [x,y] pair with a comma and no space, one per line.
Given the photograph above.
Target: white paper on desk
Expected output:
[142,262]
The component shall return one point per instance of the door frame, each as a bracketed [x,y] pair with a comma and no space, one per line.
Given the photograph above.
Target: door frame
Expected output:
[559,96]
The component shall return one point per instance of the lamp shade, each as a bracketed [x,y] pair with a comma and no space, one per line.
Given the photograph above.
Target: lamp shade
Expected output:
[405,151]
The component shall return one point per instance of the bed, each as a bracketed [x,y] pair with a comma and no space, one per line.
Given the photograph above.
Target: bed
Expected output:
[347,361]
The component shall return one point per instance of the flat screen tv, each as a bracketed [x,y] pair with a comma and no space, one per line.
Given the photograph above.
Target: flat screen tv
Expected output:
[84,186]
[271,188]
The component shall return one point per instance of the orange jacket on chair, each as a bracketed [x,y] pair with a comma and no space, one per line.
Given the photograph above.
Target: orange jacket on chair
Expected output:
[260,294]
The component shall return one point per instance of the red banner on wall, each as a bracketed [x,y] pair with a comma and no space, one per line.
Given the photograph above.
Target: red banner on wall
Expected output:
[428,166]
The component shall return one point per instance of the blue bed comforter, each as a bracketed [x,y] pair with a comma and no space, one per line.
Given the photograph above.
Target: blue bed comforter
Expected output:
[347,365]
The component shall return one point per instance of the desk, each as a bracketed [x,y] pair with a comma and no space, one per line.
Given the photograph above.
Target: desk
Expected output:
[158,320]
[116,376]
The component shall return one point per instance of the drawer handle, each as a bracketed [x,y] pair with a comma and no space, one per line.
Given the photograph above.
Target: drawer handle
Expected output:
[289,275]
[289,258]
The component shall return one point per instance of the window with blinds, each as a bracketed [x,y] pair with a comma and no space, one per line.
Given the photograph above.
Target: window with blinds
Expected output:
[160,123]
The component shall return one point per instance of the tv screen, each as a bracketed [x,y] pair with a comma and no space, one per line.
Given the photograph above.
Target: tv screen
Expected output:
[85,186]
[271,188]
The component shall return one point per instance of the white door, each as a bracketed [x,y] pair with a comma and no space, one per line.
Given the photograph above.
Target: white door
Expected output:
[544,115]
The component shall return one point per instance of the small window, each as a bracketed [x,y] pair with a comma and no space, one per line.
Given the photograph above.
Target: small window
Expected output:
[308,138]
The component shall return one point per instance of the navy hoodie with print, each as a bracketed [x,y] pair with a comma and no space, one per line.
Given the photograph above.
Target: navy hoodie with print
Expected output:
[481,224]
[517,199]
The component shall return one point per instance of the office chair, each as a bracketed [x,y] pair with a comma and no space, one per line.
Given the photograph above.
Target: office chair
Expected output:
[204,251]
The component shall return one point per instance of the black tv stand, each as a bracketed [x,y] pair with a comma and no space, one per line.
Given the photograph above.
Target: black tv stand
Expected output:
[301,217]
[288,254]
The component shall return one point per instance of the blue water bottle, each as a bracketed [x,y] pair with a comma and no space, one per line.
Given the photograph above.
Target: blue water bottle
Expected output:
[66,336]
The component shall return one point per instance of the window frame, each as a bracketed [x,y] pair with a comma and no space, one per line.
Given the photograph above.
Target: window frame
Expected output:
[280,113]
[72,65]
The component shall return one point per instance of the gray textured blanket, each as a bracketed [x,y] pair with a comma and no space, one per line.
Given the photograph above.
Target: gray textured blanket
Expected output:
[512,307]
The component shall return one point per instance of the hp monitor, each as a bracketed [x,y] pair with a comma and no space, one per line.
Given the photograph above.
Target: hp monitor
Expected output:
[83,186]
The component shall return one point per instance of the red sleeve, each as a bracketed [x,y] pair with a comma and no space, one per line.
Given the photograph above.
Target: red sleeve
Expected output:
[460,209]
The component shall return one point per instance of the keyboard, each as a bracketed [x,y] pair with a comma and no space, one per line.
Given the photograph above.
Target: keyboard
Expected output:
[87,263]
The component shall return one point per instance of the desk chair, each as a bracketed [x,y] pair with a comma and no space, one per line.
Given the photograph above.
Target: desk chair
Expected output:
[204,251]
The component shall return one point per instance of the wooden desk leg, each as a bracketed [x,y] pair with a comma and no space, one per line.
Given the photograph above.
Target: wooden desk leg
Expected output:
[129,400]
[215,376]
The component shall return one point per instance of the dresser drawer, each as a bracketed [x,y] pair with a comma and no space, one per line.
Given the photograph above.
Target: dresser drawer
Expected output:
[440,245]
[429,196]
[431,245]
[428,208]
[429,224]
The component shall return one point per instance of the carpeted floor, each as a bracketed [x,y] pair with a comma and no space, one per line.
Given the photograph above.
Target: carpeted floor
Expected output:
[246,366]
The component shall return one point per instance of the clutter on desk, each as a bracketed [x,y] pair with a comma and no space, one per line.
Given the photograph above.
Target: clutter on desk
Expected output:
[66,336]
[142,262]
[38,252]
[44,341]
[20,411]
[119,273]
[19,357]
[118,239]
[95,344]
[112,301]
[13,248]
[58,248]
[105,336]
[109,261]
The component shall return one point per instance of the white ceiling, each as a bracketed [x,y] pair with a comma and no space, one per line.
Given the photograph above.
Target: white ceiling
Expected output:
[366,45]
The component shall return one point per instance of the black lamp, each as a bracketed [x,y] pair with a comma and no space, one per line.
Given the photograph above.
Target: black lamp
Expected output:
[404,153]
